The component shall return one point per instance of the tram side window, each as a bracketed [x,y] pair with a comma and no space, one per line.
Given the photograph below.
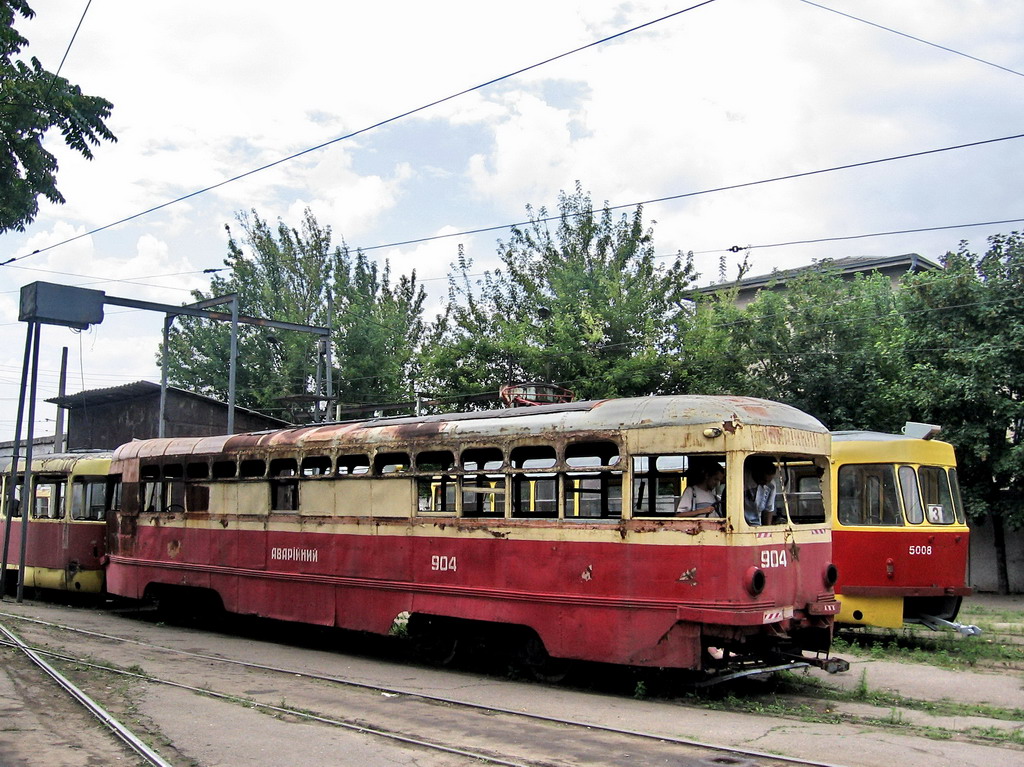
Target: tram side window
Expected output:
[534,485]
[391,463]
[593,484]
[114,493]
[483,484]
[316,466]
[938,502]
[352,464]
[152,488]
[435,485]
[284,484]
[658,482]
[174,486]
[225,469]
[198,471]
[252,468]
[88,498]
[48,498]
[197,494]
[19,493]
[911,495]
[958,504]
[867,495]
[801,493]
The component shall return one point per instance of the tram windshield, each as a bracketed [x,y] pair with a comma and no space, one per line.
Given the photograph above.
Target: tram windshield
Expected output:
[885,494]
[776,489]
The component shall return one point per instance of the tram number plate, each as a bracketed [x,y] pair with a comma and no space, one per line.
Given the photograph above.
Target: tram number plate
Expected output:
[926,550]
[443,564]
[771,558]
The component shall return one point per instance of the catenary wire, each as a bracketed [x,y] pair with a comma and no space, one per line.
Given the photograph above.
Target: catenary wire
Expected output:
[97,279]
[915,39]
[360,131]
[711,190]
[64,58]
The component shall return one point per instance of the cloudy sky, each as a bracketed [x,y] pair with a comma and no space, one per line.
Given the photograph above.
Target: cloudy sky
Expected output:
[731,92]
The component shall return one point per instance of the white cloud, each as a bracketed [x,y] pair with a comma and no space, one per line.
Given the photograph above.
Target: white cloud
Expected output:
[724,94]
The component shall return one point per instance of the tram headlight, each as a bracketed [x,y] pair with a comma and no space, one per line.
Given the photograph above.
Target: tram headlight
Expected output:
[831,575]
[754,580]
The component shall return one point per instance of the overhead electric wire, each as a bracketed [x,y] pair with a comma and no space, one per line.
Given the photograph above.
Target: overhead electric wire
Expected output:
[68,49]
[737,248]
[360,131]
[915,39]
[97,280]
[712,190]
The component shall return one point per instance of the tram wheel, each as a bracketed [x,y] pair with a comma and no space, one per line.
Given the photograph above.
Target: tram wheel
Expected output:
[534,659]
[434,640]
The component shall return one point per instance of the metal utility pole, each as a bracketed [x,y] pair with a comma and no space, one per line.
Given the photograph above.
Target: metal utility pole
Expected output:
[44,303]
[169,318]
[62,389]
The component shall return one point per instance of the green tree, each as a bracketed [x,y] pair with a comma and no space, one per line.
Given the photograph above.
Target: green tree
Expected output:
[966,326]
[830,346]
[285,276]
[380,330]
[297,275]
[32,101]
[705,359]
[586,306]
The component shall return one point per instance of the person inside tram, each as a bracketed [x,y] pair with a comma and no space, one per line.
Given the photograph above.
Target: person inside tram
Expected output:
[759,490]
[701,496]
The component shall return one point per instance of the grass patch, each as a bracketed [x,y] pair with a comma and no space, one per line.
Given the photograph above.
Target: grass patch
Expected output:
[797,684]
[944,650]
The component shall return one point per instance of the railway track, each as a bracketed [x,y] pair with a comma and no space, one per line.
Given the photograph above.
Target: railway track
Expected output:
[119,730]
[455,727]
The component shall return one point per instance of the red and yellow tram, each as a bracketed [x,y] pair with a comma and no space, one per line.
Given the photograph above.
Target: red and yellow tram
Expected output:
[66,521]
[554,523]
[900,537]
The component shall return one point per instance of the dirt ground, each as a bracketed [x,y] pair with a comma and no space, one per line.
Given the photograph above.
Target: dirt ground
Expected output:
[43,726]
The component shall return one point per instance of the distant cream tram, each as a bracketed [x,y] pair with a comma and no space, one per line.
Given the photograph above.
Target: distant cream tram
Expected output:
[556,526]
[66,524]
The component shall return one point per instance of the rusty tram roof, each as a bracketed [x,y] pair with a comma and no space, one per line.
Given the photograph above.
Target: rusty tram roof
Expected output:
[594,415]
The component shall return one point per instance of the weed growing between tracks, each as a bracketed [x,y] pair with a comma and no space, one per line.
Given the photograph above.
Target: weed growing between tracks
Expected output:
[944,650]
[793,695]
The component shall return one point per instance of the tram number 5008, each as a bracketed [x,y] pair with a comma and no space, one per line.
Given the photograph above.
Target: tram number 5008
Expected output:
[772,558]
[443,564]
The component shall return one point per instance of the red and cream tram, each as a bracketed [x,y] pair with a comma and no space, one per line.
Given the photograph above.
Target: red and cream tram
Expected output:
[555,523]
[66,521]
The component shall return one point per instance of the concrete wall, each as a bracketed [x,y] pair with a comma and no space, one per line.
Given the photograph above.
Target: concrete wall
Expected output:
[983,559]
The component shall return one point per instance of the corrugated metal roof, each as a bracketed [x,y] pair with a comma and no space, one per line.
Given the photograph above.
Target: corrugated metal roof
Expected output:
[137,389]
[912,262]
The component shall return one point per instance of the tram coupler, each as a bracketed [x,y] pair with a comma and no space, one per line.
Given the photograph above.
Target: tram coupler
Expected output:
[937,624]
[831,665]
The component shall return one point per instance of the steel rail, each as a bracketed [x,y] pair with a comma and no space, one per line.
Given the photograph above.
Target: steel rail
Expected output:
[362,729]
[122,732]
[432,698]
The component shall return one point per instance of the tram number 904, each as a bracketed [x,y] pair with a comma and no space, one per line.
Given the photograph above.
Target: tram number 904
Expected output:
[773,558]
[443,564]
[926,550]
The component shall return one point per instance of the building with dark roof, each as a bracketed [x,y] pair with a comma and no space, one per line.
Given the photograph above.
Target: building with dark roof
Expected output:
[105,418]
[893,267]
